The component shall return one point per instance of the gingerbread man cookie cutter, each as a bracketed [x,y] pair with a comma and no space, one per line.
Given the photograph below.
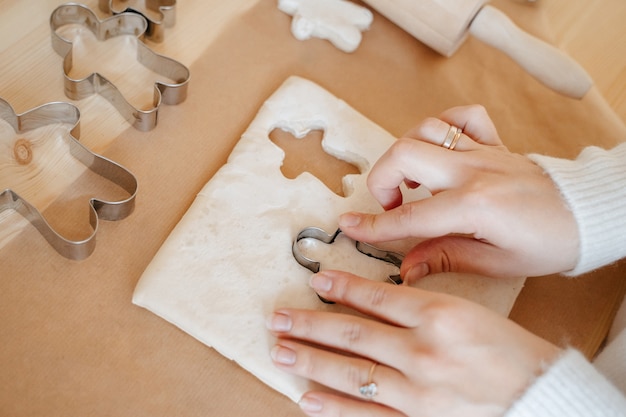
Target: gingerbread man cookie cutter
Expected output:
[365,248]
[121,24]
[165,9]
[60,112]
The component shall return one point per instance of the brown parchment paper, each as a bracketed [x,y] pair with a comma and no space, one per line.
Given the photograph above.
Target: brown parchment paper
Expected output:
[72,342]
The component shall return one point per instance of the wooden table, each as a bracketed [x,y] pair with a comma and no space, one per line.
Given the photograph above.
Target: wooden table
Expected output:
[73,343]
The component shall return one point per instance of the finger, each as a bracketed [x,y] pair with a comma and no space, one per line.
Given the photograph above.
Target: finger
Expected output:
[414,161]
[323,404]
[475,122]
[457,254]
[431,217]
[339,372]
[434,131]
[346,332]
[391,303]
[464,254]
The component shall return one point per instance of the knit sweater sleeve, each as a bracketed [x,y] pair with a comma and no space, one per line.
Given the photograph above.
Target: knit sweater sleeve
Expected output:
[571,387]
[594,187]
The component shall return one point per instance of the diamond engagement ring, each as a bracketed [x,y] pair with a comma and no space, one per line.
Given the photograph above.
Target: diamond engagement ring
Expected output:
[370,389]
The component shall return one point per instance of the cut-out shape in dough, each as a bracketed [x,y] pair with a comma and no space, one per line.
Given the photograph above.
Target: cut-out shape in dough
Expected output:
[339,21]
[305,154]
[228,263]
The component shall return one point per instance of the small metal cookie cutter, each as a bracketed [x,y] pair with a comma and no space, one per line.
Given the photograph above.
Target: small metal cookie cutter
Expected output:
[60,112]
[121,24]
[365,248]
[166,9]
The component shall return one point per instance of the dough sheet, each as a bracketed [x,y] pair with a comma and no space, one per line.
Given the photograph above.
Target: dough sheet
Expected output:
[228,263]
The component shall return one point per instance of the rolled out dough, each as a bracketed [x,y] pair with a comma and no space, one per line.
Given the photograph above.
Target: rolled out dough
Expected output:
[228,263]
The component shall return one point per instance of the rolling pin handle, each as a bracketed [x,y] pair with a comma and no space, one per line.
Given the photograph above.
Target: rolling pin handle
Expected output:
[545,62]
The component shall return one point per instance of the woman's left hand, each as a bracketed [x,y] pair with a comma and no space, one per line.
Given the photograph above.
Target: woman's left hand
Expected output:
[436,355]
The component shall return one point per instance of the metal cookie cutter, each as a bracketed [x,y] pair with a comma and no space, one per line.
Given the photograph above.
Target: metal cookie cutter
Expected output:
[165,9]
[121,24]
[67,113]
[366,249]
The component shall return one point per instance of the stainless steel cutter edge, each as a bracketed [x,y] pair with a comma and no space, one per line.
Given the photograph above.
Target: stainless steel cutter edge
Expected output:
[121,24]
[365,248]
[108,210]
[156,28]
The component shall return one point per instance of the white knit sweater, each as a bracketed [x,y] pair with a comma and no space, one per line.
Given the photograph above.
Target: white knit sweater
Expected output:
[594,187]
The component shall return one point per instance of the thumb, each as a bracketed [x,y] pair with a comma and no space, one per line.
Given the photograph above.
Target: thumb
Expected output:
[457,254]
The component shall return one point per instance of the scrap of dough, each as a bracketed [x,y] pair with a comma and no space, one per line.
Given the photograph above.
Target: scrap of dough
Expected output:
[228,265]
[338,21]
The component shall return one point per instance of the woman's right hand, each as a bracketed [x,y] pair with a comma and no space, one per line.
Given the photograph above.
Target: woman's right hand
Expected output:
[492,212]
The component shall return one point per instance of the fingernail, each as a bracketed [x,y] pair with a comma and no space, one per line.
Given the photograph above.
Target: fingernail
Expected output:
[349,220]
[415,273]
[321,282]
[279,322]
[283,355]
[310,405]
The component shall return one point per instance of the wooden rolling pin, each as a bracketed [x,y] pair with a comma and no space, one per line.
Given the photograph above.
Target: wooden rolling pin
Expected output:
[444,24]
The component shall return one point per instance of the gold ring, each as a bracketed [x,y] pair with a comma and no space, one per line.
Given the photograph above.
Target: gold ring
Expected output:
[370,389]
[452,137]
[457,135]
